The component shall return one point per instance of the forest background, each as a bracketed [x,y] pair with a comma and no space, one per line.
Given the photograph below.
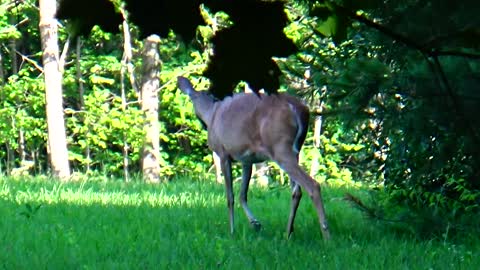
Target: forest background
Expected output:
[393,87]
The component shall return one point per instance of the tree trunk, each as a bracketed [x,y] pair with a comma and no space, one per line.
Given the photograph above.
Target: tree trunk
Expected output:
[2,98]
[12,44]
[127,66]
[2,76]
[57,140]
[260,174]
[15,67]
[149,100]
[218,168]
[81,105]
[317,132]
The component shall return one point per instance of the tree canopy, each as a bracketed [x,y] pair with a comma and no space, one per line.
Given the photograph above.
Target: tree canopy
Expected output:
[241,52]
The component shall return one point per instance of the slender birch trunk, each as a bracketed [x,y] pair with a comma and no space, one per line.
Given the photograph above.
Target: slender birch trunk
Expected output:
[2,76]
[57,140]
[127,66]
[317,132]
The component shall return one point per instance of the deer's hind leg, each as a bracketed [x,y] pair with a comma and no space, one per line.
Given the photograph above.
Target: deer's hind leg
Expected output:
[296,197]
[286,159]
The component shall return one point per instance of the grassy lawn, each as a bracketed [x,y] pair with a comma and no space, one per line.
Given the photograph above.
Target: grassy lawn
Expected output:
[184,225]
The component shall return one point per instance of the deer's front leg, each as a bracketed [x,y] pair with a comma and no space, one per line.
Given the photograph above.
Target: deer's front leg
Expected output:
[227,172]
[246,176]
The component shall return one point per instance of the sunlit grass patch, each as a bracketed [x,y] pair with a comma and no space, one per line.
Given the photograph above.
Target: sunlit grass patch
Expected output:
[184,225]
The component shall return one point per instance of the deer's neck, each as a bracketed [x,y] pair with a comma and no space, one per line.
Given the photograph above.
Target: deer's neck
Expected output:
[206,112]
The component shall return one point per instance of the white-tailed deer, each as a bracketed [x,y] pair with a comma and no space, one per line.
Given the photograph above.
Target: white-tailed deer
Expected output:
[250,129]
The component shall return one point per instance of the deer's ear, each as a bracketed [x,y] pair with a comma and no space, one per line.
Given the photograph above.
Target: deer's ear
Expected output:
[185,85]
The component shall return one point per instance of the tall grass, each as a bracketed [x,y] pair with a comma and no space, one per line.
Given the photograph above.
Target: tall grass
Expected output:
[184,225]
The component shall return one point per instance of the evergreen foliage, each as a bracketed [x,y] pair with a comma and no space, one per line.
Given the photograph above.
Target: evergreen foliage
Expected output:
[403,77]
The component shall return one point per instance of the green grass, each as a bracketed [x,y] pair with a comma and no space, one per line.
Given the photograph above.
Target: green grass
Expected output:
[184,225]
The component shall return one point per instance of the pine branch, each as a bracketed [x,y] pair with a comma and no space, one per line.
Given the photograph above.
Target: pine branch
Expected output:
[457,53]
[457,106]
[382,29]
[422,48]
[369,211]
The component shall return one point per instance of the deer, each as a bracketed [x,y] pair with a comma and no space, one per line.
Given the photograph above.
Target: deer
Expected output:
[251,128]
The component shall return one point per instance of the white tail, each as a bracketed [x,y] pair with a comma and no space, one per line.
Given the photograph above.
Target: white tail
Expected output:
[250,129]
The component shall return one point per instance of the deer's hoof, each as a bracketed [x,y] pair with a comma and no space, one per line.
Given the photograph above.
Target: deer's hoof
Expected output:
[256,225]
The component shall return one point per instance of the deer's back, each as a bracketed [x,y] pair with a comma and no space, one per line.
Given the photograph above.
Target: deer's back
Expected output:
[246,124]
